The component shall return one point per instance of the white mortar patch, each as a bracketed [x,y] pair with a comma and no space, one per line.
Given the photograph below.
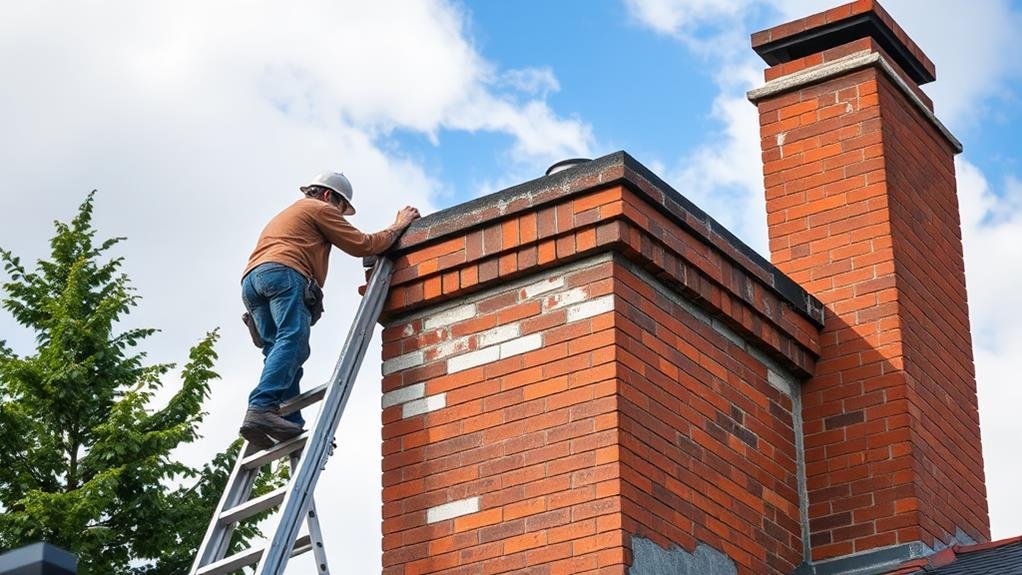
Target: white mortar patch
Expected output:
[591,308]
[424,405]
[562,299]
[402,395]
[498,334]
[447,317]
[452,510]
[403,362]
[543,287]
[449,348]
[517,286]
[521,345]
[473,359]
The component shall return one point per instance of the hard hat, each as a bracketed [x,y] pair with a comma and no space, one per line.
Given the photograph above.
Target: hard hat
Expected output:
[337,182]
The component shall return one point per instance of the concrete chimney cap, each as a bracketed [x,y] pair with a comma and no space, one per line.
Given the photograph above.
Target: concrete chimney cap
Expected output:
[837,26]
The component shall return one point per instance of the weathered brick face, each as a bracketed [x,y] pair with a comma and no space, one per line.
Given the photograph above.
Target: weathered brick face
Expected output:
[707,444]
[625,375]
[829,229]
[862,212]
[935,324]
[536,426]
[500,432]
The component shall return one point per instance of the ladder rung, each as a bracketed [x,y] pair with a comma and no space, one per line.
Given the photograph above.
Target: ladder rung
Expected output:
[304,400]
[249,556]
[253,506]
[259,458]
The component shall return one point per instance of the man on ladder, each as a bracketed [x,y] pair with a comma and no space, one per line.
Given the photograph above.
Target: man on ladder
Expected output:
[281,289]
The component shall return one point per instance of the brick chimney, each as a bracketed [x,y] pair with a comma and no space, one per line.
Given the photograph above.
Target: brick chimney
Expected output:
[863,213]
[587,374]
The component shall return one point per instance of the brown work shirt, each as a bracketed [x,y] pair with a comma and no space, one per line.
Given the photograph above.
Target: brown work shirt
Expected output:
[300,238]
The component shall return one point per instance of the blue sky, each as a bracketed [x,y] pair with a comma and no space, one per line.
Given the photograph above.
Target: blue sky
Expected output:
[597,59]
[197,121]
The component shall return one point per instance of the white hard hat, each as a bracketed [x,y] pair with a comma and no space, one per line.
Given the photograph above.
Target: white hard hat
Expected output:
[337,182]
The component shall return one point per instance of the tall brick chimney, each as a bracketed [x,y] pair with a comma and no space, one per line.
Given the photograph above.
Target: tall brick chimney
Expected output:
[863,213]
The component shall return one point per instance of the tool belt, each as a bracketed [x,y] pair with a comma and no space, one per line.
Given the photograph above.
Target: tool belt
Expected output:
[252,331]
[314,300]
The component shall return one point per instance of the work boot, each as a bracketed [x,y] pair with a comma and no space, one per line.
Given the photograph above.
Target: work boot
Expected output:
[257,439]
[269,422]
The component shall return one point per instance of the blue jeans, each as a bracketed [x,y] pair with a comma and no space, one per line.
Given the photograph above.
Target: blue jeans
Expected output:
[274,295]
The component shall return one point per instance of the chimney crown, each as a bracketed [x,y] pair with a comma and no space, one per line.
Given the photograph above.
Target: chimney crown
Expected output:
[841,25]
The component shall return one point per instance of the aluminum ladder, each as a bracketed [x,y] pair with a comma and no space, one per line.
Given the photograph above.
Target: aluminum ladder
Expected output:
[307,453]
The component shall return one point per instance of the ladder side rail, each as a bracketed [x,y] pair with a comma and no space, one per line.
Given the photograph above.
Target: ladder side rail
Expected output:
[218,537]
[315,536]
[316,540]
[303,483]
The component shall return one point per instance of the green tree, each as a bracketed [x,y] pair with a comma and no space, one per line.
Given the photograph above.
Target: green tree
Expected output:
[86,458]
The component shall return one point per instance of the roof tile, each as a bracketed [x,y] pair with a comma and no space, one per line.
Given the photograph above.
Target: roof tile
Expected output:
[1002,557]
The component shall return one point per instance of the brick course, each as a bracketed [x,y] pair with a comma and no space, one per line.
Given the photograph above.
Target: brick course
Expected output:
[935,332]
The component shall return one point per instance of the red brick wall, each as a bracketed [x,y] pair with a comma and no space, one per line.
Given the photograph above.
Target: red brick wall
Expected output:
[707,444]
[935,324]
[543,404]
[604,409]
[861,212]
[527,425]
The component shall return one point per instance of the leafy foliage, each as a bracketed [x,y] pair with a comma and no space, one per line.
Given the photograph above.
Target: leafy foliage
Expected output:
[88,462]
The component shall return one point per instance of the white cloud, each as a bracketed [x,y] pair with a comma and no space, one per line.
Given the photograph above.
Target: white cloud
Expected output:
[973,66]
[991,230]
[724,176]
[198,121]
[531,80]
[678,17]
[539,139]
